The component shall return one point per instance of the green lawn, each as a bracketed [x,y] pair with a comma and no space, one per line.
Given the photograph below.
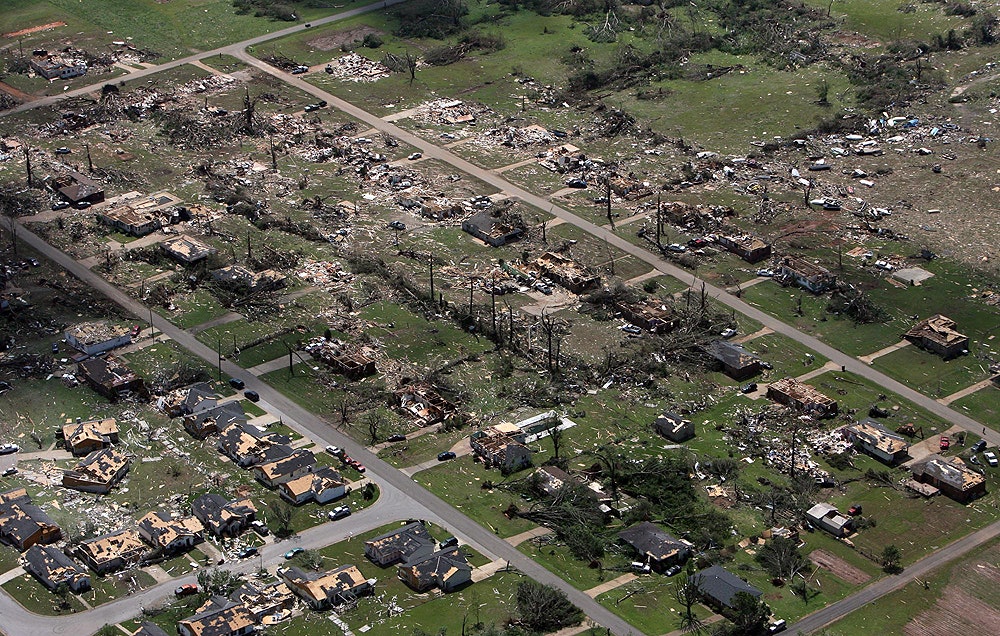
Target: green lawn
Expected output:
[34,597]
[649,604]
[929,373]
[983,405]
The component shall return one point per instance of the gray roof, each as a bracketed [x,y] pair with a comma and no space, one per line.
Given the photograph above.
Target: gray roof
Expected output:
[719,584]
[731,354]
[649,539]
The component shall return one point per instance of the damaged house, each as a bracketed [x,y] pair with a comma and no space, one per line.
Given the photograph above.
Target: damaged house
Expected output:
[802,273]
[654,546]
[215,419]
[55,66]
[409,542]
[951,476]
[22,523]
[652,315]
[733,360]
[168,534]
[110,377]
[938,334]
[501,446]
[263,600]
[492,230]
[254,281]
[749,248]
[222,517]
[53,568]
[274,473]
[352,361]
[248,445]
[192,399]
[82,438]
[78,188]
[137,215]
[94,338]
[112,551]
[186,249]
[871,438]
[219,616]
[423,404]
[801,397]
[674,427]
[566,272]
[827,517]
[322,486]
[446,570]
[322,590]
[99,471]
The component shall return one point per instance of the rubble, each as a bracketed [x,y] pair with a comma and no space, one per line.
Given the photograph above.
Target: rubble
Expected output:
[357,68]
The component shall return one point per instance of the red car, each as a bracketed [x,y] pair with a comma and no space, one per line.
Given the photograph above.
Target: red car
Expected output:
[945,442]
[360,467]
[185,590]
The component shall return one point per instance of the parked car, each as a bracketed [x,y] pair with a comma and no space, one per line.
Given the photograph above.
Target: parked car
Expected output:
[186,590]
[236,383]
[728,333]
[359,467]
[299,70]
[246,553]
[253,396]
[749,387]
[576,183]
[777,626]
[397,225]
[291,553]
[339,512]
[677,248]
[672,570]
[767,273]
[10,471]
[61,205]
[639,566]
[945,443]
[448,543]
[991,458]
[979,446]
[445,456]
[136,330]
[398,437]
[7,449]
[309,108]
[336,451]
[62,150]
[260,527]
[414,156]
[82,205]
[854,510]
[629,328]
[55,347]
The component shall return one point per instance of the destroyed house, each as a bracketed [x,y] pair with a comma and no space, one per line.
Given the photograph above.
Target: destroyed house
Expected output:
[222,517]
[749,248]
[566,272]
[446,570]
[410,542]
[551,479]
[128,220]
[351,361]
[263,600]
[655,316]
[99,471]
[674,427]
[78,188]
[94,338]
[168,534]
[247,444]
[802,273]
[186,249]
[322,590]
[951,476]
[828,518]
[322,486]
[110,377]
[112,551]
[498,446]
[733,360]
[278,471]
[218,617]
[801,397]
[491,230]
[423,405]
[719,587]
[22,523]
[938,334]
[214,420]
[871,437]
[82,438]
[57,67]
[253,281]
[630,189]
[53,568]
[197,397]
[654,546]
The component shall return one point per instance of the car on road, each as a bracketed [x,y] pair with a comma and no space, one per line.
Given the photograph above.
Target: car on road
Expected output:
[248,552]
[253,396]
[945,443]
[445,456]
[10,471]
[398,437]
[7,449]
[236,383]
[339,513]
[672,570]
[777,626]
[979,446]
[186,590]
[728,333]
[991,458]
[291,553]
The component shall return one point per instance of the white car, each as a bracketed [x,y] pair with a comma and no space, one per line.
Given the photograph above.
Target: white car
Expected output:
[728,333]
[991,458]
[6,449]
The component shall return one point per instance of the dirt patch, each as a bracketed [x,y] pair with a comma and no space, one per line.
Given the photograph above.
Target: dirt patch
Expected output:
[334,41]
[34,29]
[15,93]
[839,567]
[956,612]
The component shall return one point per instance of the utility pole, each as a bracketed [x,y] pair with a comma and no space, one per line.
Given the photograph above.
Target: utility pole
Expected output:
[274,157]
[470,295]
[27,165]
[430,264]
[218,351]
[248,244]
[90,162]
[611,221]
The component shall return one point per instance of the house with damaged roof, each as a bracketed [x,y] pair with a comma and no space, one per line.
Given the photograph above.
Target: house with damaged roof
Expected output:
[263,600]
[99,471]
[446,570]
[674,427]
[411,541]
[802,397]
[951,476]
[322,590]
[78,188]
[248,445]
[187,249]
[870,437]
[492,230]
[82,438]
[733,360]
[654,546]
[421,403]
[286,468]
[170,534]
[112,551]
[652,315]
[222,517]
[805,274]
[192,399]
[94,338]
[749,248]
[212,420]
[501,446]
[53,568]
[22,523]
[322,486]
[110,377]
[219,616]
[938,334]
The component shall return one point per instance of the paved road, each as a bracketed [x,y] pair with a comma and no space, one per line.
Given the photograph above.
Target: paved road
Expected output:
[431,150]
[919,570]
[229,49]
[392,482]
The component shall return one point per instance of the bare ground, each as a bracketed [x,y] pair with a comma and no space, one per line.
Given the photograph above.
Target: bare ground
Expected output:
[336,40]
[839,567]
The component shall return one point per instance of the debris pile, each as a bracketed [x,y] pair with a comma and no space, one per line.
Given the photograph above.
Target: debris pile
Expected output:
[325,275]
[357,68]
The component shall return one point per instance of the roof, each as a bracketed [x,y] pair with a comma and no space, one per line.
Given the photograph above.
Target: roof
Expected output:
[164,529]
[19,518]
[439,566]
[149,629]
[222,415]
[804,268]
[322,479]
[799,391]
[123,544]
[723,586]
[187,248]
[650,540]
[288,464]
[101,466]
[91,333]
[828,512]
[872,433]
[217,617]
[218,509]
[731,354]
[109,371]
[324,586]
[938,329]
[744,241]
[52,564]
[96,430]
[408,541]
[951,471]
